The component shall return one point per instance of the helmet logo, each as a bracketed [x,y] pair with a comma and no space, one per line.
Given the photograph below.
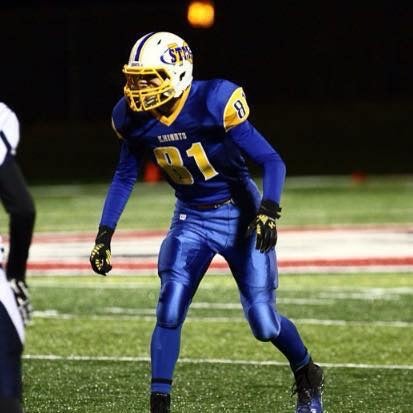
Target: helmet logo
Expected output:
[175,54]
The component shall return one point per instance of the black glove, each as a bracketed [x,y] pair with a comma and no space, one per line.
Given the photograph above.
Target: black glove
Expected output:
[101,254]
[21,294]
[265,226]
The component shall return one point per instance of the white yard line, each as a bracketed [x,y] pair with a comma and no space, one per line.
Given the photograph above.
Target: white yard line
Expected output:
[52,357]
[332,292]
[148,314]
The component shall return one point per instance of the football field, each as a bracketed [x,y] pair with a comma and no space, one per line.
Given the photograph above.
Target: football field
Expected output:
[87,349]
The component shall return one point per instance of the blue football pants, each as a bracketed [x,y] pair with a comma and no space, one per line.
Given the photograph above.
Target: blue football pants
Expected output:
[193,240]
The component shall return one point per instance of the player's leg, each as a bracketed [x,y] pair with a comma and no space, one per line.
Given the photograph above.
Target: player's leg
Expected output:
[183,260]
[10,364]
[257,278]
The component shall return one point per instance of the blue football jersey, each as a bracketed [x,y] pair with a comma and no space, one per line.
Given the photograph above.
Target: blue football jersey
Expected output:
[201,148]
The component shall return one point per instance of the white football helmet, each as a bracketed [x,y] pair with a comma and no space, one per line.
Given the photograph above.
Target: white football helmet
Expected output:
[162,56]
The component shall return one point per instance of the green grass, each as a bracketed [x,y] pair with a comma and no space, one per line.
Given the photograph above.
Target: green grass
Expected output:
[106,320]
[305,201]
[87,349]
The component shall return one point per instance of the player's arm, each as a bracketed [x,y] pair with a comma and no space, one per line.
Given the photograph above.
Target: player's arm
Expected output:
[116,199]
[250,141]
[259,150]
[9,132]
[273,167]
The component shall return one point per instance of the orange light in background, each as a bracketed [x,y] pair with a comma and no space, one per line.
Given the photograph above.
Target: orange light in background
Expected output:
[201,13]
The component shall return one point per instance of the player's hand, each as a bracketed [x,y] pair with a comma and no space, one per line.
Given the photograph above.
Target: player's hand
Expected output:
[100,259]
[22,297]
[264,225]
[101,254]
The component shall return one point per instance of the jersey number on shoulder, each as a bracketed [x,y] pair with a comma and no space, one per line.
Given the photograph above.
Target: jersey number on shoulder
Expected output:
[170,160]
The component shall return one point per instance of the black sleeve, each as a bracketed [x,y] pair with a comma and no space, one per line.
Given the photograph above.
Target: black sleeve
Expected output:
[19,205]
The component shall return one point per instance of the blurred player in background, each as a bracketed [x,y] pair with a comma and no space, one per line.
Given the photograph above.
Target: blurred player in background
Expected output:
[11,346]
[198,133]
[20,207]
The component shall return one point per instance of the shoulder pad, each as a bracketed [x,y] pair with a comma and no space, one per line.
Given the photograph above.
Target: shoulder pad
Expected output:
[236,110]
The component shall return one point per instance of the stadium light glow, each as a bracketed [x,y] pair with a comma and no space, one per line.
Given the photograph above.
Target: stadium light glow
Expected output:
[201,13]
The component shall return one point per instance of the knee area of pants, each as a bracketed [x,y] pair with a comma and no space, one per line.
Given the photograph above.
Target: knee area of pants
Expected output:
[265,334]
[169,319]
[170,325]
[264,321]
[173,303]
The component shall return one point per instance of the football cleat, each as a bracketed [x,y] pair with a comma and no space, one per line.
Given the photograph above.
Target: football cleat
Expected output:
[309,383]
[160,403]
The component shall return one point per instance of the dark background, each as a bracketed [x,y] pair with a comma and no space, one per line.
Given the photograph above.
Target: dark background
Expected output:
[330,84]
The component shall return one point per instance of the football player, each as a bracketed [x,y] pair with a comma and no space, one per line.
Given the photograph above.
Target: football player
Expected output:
[11,346]
[19,205]
[199,134]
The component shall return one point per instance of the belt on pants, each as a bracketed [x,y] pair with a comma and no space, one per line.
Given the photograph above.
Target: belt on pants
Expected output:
[204,207]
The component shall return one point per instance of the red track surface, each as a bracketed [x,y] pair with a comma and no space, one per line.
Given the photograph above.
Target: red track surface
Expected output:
[332,249]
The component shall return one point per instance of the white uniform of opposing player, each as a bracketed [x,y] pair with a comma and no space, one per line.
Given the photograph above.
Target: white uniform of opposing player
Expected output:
[19,205]
[12,336]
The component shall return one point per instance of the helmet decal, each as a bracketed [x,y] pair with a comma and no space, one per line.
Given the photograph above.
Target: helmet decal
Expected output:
[176,54]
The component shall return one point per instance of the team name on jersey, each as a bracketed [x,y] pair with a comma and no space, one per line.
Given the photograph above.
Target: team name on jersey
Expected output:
[179,136]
